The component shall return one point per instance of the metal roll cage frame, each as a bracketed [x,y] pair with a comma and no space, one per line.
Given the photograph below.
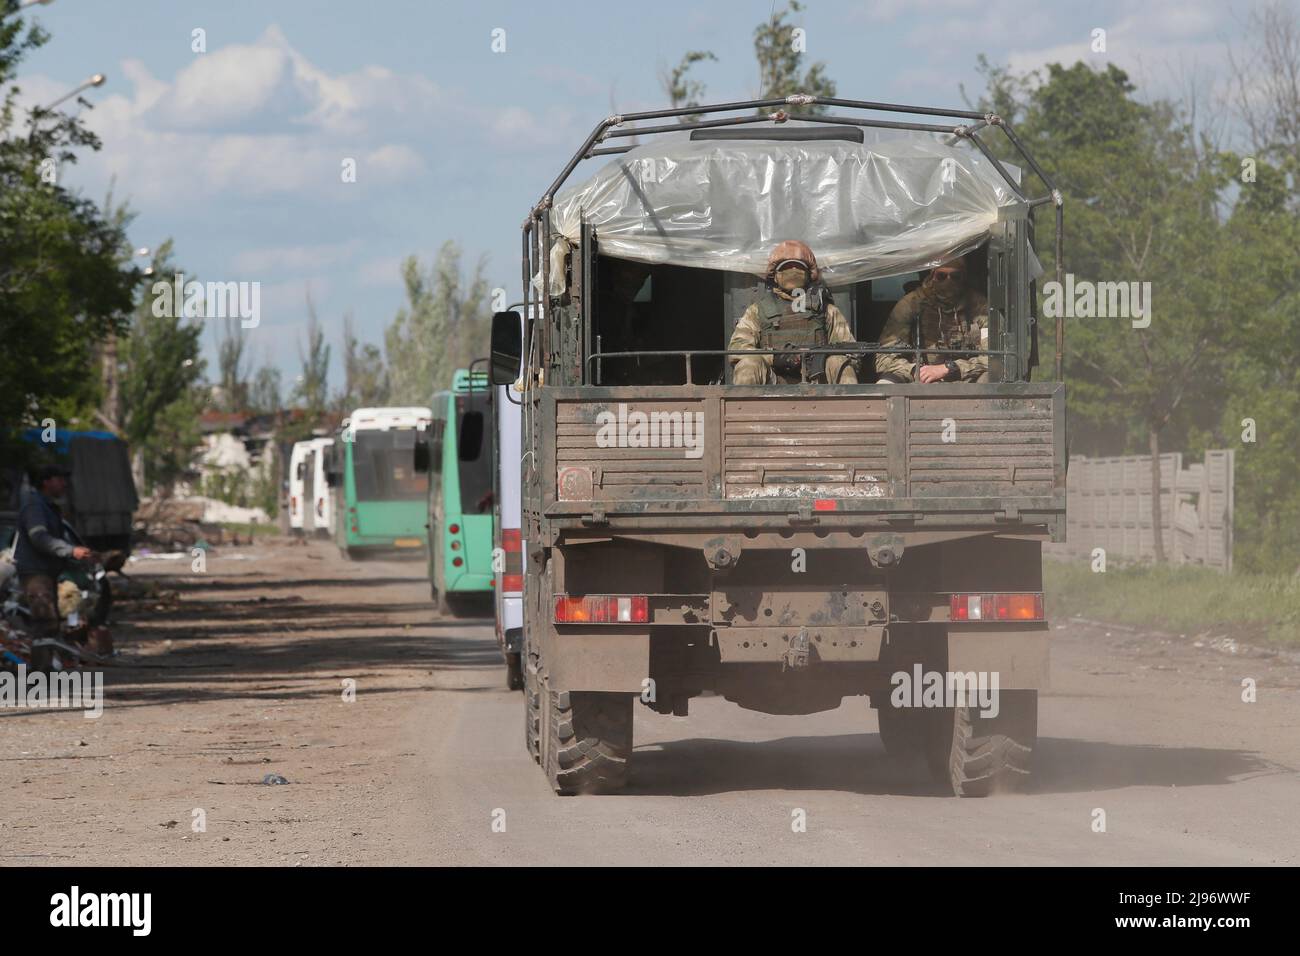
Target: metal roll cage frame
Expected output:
[536,230]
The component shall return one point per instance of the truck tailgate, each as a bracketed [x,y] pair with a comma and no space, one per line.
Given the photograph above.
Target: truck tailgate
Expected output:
[726,449]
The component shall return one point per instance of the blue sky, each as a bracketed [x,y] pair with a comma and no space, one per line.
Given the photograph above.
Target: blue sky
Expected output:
[236,153]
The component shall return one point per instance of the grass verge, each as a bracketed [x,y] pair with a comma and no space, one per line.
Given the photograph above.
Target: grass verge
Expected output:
[1259,608]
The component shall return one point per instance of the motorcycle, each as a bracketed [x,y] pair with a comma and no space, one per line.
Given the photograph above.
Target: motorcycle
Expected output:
[85,598]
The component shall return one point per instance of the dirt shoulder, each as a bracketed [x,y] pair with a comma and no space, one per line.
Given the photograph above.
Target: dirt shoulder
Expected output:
[242,676]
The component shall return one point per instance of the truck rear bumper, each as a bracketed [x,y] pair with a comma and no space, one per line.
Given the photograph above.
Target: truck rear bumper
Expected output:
[618,659]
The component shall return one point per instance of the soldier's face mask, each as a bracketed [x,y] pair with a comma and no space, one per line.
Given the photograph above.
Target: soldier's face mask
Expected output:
[791,275]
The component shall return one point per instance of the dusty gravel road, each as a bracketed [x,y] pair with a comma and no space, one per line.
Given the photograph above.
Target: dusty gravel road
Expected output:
[243,677]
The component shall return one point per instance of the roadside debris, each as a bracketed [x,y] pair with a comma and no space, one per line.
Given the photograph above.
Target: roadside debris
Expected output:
[175,525]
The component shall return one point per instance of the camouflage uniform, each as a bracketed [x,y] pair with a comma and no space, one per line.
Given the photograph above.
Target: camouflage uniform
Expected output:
[773,322]
[829,326]
[963,324]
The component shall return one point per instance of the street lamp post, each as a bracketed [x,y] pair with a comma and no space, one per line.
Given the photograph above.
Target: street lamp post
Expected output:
[96,80]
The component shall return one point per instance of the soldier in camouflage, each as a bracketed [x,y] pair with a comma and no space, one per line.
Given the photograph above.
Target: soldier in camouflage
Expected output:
[947,314]
[794,310]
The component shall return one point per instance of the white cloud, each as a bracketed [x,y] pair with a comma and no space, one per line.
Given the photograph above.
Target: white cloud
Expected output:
[391,162]
[229,86]
[260,120]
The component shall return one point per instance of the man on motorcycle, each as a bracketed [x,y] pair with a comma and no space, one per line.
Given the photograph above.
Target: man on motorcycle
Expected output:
[45,546]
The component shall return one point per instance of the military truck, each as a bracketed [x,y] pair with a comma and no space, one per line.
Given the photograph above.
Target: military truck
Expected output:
[784,546]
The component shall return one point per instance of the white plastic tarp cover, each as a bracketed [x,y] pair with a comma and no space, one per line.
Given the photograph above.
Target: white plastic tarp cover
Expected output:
[867,210]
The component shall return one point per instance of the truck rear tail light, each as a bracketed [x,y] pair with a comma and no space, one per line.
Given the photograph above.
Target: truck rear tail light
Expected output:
[602,609]
[825,504]
[453,529]
[457,562]
[512,543]
[996,607]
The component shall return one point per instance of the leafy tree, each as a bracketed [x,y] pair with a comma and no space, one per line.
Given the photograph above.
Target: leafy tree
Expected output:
[311,391]
[1264,233]
[264,396]
[779,61]
[232,364]
[1266,88]
[779,55]
[161,392]
[1150,197]
[443,327]
[63,286]
[1262,379]
[365,377]
[1140,207]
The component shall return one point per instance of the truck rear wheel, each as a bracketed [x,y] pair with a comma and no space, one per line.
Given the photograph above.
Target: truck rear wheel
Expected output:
[532,710]
[588,740]
[514,672]
[977,756]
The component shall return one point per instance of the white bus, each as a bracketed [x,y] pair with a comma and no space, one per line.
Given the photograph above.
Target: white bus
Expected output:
[380,502]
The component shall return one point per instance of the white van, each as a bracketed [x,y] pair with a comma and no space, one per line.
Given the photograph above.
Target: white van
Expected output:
[509,559]
[299,460]
[321,501]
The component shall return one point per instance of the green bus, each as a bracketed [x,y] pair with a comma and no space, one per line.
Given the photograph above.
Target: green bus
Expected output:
[378,495]
[457,454]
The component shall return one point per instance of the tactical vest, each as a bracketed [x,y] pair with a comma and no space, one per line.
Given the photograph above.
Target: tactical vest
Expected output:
[939,326]
[780,326]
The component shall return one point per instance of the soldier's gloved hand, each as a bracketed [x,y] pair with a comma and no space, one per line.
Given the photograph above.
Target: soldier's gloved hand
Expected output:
[787,363]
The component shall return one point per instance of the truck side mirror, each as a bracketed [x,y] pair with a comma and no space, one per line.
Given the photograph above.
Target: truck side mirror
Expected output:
[507,347]
[421,455]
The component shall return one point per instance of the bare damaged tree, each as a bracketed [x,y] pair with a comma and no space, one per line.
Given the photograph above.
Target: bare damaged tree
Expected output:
[1266,81]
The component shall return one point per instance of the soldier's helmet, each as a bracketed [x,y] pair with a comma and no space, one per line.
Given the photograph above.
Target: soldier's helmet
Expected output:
[792,250]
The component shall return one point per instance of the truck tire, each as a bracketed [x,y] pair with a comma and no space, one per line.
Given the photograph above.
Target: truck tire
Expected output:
[514,672]
[977,756]
[588,740]
[532,710]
